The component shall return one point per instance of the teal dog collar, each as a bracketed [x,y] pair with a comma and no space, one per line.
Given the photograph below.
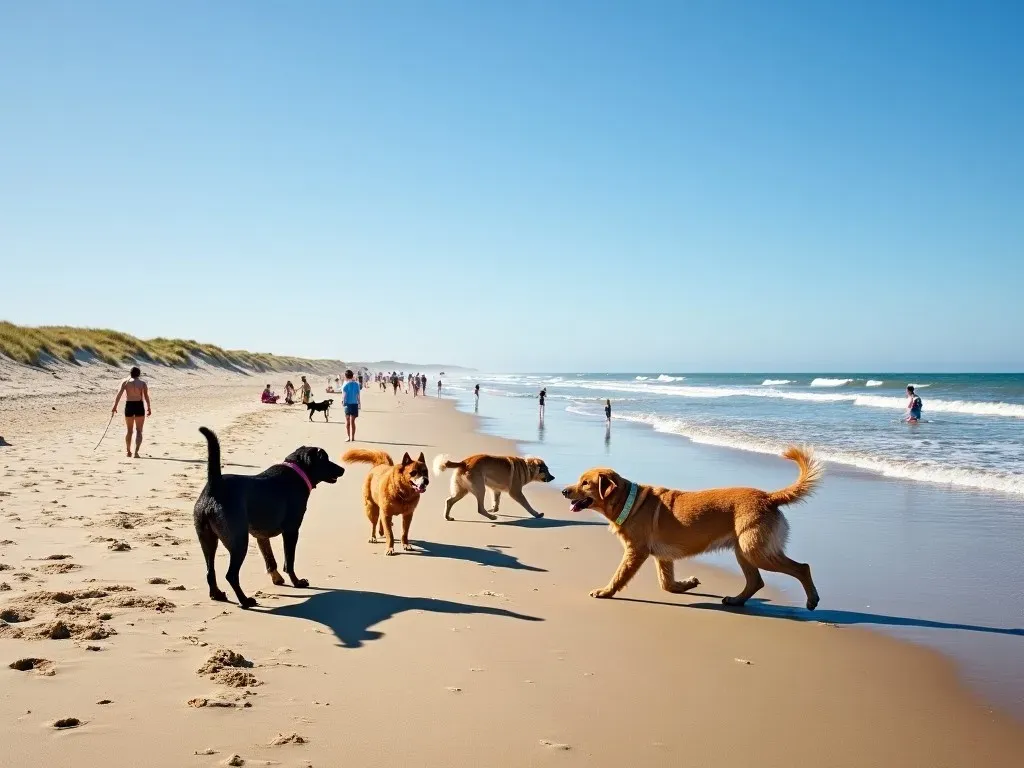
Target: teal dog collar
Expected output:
[630,501]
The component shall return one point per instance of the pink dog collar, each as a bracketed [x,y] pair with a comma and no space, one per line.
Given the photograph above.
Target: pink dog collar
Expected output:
[298,470]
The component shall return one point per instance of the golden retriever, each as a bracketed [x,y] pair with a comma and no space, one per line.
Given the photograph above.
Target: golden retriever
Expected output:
[669,525]
[499,473]
[390,491]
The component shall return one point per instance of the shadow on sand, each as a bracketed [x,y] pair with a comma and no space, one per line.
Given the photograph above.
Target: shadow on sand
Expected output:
[530,522]
[761,608]
[198,461]
[350,615]
[491,555]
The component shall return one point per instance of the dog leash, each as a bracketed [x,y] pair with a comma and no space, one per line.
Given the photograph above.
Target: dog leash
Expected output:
[109,421]
[299,471]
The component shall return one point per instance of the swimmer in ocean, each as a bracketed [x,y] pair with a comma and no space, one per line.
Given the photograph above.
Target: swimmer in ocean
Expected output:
[913,405]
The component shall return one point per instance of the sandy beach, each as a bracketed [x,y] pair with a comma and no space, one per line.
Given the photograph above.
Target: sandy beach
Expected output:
[481,648]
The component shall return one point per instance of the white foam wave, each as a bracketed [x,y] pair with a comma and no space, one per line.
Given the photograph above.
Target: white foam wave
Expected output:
[666,378]
[1009,410]
[642,378]
[873,383]
[823,382]
[919,471]
[919,386]
[968,407]
[775,382]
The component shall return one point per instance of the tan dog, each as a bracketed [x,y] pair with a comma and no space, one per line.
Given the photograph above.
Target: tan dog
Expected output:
[390,491]
[499,473]
[670,525]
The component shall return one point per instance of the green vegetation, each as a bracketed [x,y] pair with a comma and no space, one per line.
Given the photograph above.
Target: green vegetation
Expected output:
[34,346]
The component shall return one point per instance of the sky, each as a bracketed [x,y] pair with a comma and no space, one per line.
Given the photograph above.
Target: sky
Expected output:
[579,185]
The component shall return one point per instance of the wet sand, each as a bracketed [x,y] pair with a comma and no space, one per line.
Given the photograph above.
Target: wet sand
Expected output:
[481,648]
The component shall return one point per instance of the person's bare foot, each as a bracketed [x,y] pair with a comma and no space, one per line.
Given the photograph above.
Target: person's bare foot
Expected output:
[129,454]
[136,455]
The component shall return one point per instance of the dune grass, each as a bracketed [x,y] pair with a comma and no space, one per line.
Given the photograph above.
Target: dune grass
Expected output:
[37,346]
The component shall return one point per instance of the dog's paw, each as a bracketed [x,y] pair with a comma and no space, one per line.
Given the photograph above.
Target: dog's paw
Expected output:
[407,547]
[373,540]
[390,552]
[300,583]
[735,602]
[449,518]
[219,596]
[601,593]
[276,578]
[679,587]
[489,516]
[538,515]
[248,602]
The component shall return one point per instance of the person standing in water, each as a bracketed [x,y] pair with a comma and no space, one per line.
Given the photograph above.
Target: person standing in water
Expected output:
[913,405]
[476,393]
[439,387]
[608,412]
[543,396]
[135,391]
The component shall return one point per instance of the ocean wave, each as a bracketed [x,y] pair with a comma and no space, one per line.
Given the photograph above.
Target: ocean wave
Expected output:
[873,383]
[642,378]
[830,382]
[775,382]
[974,408]
[667,378]
[920,471]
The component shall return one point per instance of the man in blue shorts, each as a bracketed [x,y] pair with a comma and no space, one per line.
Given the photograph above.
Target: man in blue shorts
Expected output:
[913,405]
[350,398]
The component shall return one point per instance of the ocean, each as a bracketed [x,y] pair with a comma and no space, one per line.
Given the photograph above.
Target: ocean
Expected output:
[917,531]
[972,434]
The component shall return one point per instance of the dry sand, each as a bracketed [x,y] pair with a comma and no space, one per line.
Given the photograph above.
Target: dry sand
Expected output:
[480,649]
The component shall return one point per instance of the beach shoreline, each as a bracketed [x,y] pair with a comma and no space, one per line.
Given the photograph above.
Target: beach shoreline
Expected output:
[487,630]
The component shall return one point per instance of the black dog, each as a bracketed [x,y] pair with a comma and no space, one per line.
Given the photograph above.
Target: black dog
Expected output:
[324,406]
[265,505]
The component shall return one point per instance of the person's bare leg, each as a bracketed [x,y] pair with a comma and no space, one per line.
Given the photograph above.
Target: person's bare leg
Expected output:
[353,418]
[128,421]
[139,421]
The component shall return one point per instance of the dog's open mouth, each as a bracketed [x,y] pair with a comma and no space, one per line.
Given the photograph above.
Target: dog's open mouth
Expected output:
[580,504]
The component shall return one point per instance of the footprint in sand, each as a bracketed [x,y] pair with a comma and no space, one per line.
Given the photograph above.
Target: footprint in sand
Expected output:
[555,745]
[44,667]
[292,738]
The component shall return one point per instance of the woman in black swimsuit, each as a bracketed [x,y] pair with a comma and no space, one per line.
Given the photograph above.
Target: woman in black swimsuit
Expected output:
[608,411]
[135,391]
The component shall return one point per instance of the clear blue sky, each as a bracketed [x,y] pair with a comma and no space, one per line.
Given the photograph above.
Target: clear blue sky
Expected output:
[572,185]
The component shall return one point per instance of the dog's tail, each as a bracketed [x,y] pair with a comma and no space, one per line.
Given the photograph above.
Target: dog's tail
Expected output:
[443,462]
[811,471]
[212,457]
[363,456]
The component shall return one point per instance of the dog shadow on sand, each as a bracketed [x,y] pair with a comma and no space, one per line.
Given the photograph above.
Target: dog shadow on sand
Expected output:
[492,555]
[534,522]
[351,614]
[760,608]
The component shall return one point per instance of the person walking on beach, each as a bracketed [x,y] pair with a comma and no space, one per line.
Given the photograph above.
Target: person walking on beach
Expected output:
[543,397]
[305,390]
[351,398]
[439,387]
[289,393]
[913,406]
[608,412]
[135,391]
[394,382]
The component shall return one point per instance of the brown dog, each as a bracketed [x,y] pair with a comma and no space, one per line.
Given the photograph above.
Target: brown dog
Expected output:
[670,525]
[499,473]
[390,491]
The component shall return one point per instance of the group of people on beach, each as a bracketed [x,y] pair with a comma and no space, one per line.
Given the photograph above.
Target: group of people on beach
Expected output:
[412,383]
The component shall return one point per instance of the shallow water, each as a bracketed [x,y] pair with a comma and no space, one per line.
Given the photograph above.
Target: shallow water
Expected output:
[937,564]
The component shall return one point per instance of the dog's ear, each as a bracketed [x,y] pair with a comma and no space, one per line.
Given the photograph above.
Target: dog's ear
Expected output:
[406,459]
[422,459]
[605,485]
